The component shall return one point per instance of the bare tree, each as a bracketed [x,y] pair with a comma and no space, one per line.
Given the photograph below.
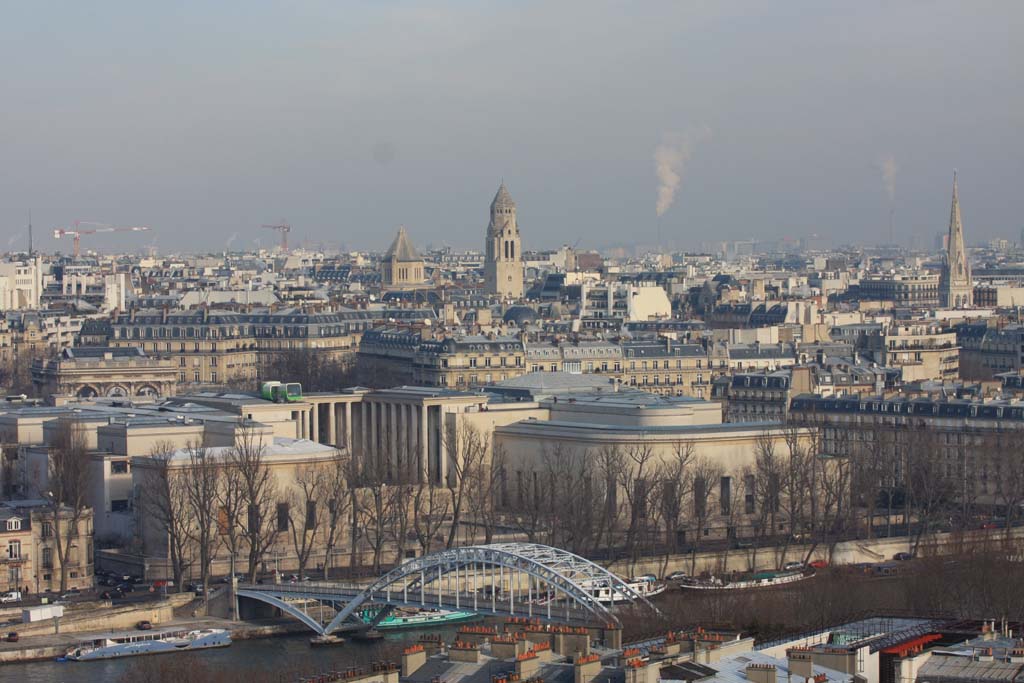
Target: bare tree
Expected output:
[705,474]
[929,485]
[675,481]
[609,464]
[573,503]
[305,512]
[768,486]
[1006,461]
[635,482]
[202,484]
[335,489]
[372,507]
[165,500]
[66,489]
[430,509]
[259,495]
[468,448]
[231,510]
[488,492]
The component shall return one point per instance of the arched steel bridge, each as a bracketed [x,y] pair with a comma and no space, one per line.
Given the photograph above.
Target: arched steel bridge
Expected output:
[513,579]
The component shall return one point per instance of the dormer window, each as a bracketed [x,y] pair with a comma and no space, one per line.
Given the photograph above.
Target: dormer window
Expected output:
[14,524]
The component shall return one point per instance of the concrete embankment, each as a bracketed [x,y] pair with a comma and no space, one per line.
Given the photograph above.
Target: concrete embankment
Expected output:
[845,552]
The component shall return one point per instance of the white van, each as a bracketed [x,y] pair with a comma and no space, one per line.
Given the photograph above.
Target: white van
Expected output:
[10,596]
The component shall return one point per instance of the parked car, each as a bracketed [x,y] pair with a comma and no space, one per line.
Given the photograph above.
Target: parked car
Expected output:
[676,576]
[111,594]
[792,566]
[11,596]
[144,625]
[125,587]
[12,637]
[70,593]
[902,557]
[818,564]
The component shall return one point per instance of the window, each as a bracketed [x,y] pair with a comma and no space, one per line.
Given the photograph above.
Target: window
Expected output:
[282,516]
[14,550]
[725,495]
[310,514]
[14,524]
[195,376]
[47,530]
[119,467]
[119,505]
[47,558]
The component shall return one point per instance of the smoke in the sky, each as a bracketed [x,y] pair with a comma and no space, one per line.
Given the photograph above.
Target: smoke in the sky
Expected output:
[14,238]
[670,159]
[887,164]
[231,240]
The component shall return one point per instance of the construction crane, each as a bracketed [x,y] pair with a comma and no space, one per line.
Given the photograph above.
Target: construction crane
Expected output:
[77,232]
[284,228]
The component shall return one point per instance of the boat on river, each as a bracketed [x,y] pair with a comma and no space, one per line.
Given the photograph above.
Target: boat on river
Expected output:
[134,643]
[746,580]
[417,618]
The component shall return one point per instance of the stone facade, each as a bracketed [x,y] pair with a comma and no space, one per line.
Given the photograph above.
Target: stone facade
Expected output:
[89,371]
[402,267]
[503,265]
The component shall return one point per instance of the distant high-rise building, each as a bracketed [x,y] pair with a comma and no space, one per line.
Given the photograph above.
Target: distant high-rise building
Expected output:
[503,266]
[955,287]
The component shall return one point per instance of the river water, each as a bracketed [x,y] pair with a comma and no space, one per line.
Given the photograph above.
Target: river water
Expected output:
[285,654]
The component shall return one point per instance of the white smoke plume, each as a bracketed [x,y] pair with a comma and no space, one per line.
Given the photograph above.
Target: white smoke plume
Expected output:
[887,164]
[231,240]
[670,158]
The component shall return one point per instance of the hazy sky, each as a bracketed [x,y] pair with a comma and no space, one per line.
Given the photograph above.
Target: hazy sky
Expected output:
[206,119]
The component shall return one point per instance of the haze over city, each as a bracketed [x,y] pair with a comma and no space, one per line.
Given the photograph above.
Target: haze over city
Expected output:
[512,342]
[780,119]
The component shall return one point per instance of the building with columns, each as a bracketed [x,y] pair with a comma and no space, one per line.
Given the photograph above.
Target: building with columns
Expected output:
[956,289]
[89,371]
[503,264]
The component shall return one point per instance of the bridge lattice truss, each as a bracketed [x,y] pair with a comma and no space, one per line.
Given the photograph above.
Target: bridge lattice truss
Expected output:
[515,579]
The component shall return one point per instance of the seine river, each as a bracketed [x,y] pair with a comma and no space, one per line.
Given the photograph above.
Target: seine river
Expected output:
[284,654]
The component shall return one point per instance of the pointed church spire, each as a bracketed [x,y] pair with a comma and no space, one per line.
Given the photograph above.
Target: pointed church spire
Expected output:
[956,287]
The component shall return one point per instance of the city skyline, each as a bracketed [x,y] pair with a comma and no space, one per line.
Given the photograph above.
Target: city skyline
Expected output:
[206,124]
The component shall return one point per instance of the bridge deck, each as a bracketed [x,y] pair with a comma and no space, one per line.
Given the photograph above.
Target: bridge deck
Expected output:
[459,601]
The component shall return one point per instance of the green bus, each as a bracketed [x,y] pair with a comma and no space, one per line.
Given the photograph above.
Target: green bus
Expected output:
[279,392]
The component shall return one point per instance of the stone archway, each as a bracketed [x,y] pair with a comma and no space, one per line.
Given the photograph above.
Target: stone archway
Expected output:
[87,391]
[117,391]
[148,390]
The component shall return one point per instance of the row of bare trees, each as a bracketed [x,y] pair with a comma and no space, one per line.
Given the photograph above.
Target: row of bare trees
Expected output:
[800,488]
[202,501]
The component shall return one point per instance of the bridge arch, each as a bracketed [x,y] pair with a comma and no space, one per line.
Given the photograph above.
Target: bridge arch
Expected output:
[521,579]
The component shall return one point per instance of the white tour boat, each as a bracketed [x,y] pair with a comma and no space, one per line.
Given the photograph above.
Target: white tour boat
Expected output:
[645,586]
[135,643]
